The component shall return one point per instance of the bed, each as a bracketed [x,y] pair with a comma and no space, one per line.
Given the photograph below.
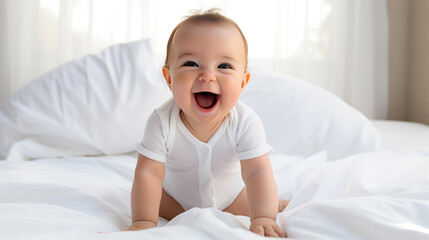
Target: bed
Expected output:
[67,143]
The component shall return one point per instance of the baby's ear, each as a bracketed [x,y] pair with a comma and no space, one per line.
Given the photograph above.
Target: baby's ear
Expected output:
[245,79]
[167,76]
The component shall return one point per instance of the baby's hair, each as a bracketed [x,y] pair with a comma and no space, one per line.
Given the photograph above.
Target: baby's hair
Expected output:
[210,16]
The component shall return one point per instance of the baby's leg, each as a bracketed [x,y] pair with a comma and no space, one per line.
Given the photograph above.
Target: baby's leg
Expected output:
[282,204]
[169,207]
[240,206]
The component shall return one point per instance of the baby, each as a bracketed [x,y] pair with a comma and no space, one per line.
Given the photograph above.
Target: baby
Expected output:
[204,148]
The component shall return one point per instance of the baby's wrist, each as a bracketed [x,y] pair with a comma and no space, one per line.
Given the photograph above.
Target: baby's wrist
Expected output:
[257,219]
[142,224]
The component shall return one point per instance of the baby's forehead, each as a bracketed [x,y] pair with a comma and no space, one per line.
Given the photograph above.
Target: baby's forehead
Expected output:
[204,28]
[187,32]
[205,31]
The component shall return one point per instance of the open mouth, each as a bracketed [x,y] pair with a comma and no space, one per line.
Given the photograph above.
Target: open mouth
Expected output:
[206,100]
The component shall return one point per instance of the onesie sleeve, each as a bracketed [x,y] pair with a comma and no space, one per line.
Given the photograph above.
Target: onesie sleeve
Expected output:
[153,144]
[251,140]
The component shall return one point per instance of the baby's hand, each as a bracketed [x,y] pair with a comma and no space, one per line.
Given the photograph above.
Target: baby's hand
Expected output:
[140,225]
[266,227]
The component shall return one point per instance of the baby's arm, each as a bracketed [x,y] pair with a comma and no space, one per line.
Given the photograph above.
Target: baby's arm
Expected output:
[146,193]
[262,196]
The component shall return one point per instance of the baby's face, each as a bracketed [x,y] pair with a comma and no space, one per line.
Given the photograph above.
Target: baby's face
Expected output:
[207,71]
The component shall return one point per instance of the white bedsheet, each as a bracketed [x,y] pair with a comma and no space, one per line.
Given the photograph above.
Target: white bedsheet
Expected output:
[378,195]
[400,134]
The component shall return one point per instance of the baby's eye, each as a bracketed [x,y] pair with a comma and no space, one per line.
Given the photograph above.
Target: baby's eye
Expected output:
[225,66]
[190,64]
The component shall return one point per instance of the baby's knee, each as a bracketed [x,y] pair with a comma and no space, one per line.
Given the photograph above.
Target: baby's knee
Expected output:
[282,204]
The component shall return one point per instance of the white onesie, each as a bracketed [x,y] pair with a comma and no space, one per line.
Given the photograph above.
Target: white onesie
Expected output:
[199,174]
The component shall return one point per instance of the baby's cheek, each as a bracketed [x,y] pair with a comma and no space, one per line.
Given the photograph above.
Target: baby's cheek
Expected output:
[179,96]
[182,96]
[230,96]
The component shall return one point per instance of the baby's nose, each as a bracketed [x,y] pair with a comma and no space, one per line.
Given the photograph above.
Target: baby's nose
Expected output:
[207,76]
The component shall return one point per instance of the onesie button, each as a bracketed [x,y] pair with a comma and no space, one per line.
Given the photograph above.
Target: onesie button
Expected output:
[204,150]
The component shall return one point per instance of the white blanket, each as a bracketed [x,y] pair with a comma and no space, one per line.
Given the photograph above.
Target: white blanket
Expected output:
[378,195]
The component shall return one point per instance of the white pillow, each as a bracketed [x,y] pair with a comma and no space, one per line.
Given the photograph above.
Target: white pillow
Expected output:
[99,105]
[301,119]
[94,105]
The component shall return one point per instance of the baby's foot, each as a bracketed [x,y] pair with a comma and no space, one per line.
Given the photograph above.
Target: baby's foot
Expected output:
[282,204]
